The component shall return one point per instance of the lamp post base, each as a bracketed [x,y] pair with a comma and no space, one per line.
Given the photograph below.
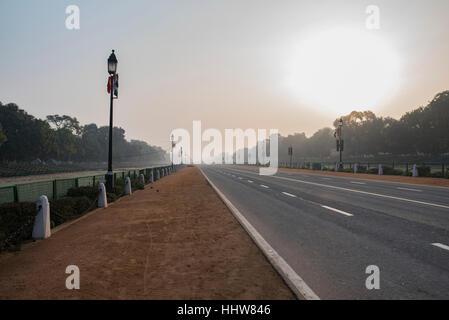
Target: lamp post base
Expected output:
[109,181]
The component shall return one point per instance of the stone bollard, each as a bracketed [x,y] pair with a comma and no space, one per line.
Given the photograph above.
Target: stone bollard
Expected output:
[151,178]
[41,229]
[142,178]
[380,171]
[336,167]
[356,167]
[102,198]
[415,171]
[158,174]
[128,190]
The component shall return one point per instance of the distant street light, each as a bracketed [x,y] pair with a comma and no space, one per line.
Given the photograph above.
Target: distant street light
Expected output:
[172,139]
[112,70]
[340,142]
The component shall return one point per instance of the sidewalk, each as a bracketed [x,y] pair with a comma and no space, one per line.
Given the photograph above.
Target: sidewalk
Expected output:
[173,240]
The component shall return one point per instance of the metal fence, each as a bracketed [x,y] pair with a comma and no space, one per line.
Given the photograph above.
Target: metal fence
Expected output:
[433,169]
[58,188]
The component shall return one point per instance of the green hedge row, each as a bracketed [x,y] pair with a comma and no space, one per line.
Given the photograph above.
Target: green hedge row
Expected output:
[17,219]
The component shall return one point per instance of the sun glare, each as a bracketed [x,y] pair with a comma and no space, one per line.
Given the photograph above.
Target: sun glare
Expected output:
[341,70]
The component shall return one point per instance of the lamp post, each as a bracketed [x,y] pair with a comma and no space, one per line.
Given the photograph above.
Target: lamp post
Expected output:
[181,156]
[172,140]
[340,142]
[112,70]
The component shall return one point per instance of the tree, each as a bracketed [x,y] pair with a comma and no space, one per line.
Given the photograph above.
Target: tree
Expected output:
[2,135]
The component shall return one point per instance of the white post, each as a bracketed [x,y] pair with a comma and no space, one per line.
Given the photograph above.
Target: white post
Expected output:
[381,171]
[336,166]
[151,179]
[142,178]
[128,190]
[102,199]
[356,167]
[321,167]
[415,171]
[311,166]
[158,174]
[41,229]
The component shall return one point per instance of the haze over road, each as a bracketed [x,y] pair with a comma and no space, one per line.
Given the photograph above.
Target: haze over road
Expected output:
[329,229]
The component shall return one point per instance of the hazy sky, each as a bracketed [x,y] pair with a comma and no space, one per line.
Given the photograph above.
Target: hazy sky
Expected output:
[290,65]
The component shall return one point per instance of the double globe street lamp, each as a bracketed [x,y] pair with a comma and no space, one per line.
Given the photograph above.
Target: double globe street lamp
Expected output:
[112,70]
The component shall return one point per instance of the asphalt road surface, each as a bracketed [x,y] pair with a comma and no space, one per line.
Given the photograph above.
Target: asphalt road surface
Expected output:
[330,229]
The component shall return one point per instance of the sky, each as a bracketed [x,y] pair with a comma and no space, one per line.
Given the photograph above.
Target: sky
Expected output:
[289,65]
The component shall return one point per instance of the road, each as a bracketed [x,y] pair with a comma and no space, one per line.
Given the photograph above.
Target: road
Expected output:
[330,229]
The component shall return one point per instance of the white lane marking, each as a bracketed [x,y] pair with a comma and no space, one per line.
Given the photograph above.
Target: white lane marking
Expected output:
[326,178]
[336,210]
[407,189]
[440,245]
[289,194]
[264,186]
[355,182]
[293,280]
[240,178]
[364,192]
[250,181]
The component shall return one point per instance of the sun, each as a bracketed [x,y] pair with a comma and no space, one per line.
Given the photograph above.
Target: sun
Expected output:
[340,70]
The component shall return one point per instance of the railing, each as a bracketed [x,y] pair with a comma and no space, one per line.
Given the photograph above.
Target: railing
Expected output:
[429,169]
[57,188]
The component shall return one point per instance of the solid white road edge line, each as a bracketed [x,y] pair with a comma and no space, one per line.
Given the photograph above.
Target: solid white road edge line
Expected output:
[336,210]
[289,194]
[440,245]
[293,280]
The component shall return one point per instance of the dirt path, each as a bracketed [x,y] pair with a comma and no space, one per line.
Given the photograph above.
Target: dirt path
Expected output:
[175,240]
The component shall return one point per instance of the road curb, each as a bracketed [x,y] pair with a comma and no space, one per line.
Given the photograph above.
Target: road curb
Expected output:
[291,278]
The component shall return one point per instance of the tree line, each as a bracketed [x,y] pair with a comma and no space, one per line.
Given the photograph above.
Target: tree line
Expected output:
[24,138]
[421,132]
